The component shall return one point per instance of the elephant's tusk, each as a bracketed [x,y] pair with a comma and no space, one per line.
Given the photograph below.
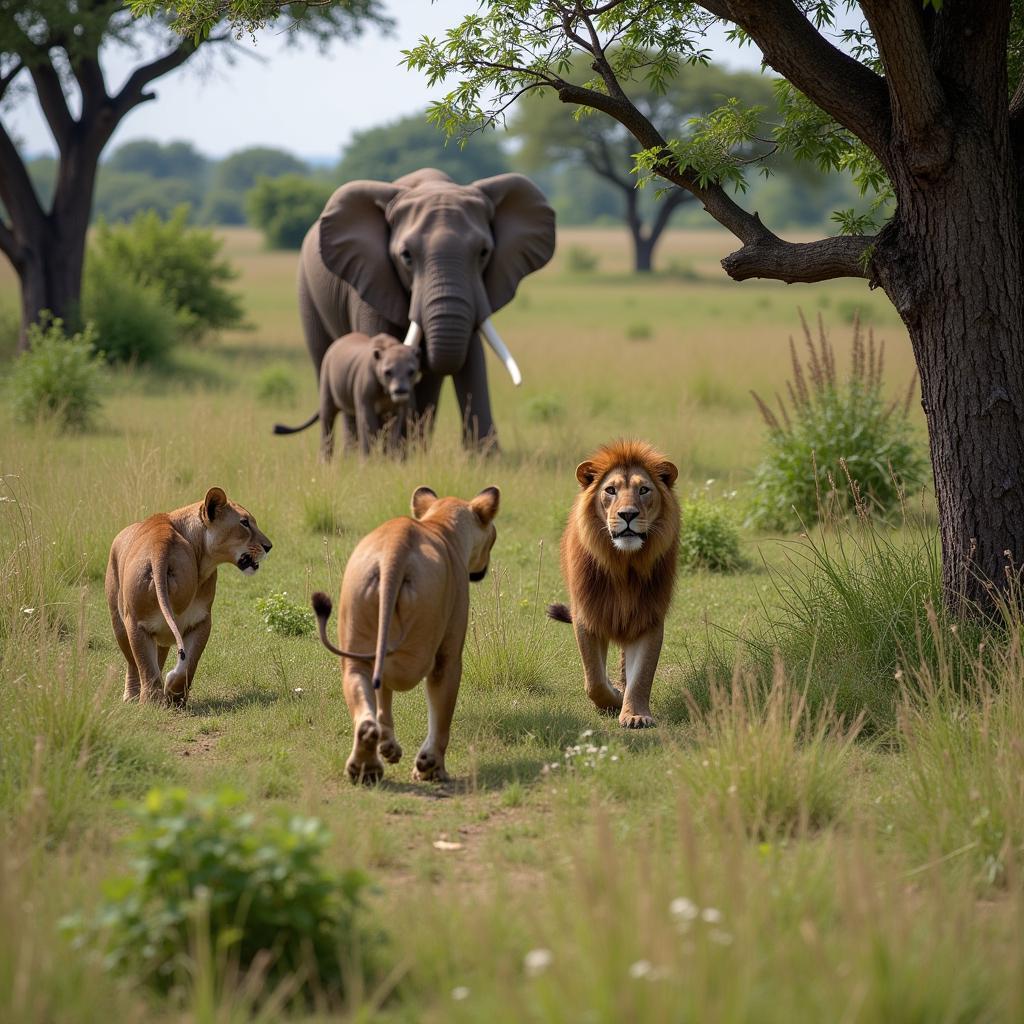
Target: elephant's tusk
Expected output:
[488,330]
[412,338]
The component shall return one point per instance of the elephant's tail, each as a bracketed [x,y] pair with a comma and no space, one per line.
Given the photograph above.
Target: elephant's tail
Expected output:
[280,428]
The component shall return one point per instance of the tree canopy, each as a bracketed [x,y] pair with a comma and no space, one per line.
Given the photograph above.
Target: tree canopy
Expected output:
[409,143]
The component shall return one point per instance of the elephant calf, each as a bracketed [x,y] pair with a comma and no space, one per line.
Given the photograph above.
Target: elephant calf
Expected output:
[370,382]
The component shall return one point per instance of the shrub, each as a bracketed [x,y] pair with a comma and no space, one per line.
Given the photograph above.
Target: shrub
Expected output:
[134,320]
[639,332]
[10,329]
[276,384]
[545,408]
[841,445]
[709,538]
[59,376]
[581,261]
[207,877]
[284,208]
[284,616]
[184,262]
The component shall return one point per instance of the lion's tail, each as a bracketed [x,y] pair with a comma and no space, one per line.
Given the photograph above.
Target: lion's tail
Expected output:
[560,613]
[280,428]
[159,571]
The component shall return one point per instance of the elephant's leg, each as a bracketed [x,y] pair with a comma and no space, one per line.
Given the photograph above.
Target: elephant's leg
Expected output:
[368,427]
[475,400]
[428,391]
[351,431]
[328,413]
[318,338]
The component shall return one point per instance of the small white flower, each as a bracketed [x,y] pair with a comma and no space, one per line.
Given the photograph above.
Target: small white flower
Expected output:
[459,993]
[615,757]
[586,734]
[298,689]
[537,961]
[684,909]
[641,969]
[28,611]
[711,915]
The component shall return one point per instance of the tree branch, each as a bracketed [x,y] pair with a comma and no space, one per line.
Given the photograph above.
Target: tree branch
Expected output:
[17,192]
[9,245]
[5,80]
[916,97]
[133,92]
[843,87]
[51,98]
[803,262]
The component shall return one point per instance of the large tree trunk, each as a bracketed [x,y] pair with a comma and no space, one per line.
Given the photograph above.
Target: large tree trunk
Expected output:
[951,263]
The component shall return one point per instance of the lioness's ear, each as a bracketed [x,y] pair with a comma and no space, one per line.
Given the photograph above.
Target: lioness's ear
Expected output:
[667,473]
[422,499]
[486,503]
[214,503]
[586,473]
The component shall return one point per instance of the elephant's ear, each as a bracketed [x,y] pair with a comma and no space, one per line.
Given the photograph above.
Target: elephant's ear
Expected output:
[524,234]
[354,236]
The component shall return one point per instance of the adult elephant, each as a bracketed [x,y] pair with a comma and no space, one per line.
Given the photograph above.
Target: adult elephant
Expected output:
[428,259]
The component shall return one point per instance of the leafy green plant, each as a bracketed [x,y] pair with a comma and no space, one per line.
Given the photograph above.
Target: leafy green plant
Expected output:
[60,376]
[842,445]
[208,876]
[545,408]
[134,320]
[284,616]
[579,260]
[276,384]
[283,208]
[640,331]
[709,538]
[184,262]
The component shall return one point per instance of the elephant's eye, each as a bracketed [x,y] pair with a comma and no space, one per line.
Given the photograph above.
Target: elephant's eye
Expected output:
[484,253]
[406,257]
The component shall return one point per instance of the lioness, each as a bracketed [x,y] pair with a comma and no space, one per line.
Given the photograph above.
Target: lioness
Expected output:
[370,382]
[408,582]
[161,581]
[619,563]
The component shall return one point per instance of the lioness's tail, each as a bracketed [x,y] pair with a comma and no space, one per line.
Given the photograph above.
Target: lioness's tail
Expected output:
[391,578]
[560,613]
[280,428]
[159,571]
[323,607]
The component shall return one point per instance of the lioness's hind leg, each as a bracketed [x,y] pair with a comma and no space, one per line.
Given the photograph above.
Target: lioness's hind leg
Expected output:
[442,694]
[364,764]
[179,680]
[389,748]
[131,676]
[144,652]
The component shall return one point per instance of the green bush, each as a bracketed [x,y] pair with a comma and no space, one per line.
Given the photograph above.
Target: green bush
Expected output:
[134,320]
[639,331]
[284,208]
[185,263]
[285,616]
[10,329]
[59,376]
[841,445]
[709,538]
[276,384]
[545,408]
[253,896]
[581,261]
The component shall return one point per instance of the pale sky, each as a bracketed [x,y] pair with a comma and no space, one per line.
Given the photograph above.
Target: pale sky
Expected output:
[297,99]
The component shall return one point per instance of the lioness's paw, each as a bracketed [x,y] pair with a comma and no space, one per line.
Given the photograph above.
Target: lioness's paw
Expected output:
[390,750]
[368,734]
[636,721]
[429,769]
[369,773]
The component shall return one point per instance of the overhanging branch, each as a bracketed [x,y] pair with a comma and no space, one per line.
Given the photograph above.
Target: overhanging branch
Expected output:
[800,262]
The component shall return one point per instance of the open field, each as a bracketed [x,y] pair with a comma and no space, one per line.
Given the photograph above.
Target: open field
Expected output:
[834,878]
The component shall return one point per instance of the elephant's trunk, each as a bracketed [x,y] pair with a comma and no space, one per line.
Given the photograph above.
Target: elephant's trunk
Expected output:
[443,305]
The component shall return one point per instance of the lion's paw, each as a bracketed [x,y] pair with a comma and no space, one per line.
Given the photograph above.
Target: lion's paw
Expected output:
[390,750]
[369,773]
[429,768]
[630,721]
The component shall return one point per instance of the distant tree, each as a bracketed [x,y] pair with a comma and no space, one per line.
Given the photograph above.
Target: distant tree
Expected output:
[398,147]
[159,160]
[120,195]
[283,208]
[236,174]
[551,134]
[52,47]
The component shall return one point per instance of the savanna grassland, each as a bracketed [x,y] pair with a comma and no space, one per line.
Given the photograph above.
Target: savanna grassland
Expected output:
[758,857]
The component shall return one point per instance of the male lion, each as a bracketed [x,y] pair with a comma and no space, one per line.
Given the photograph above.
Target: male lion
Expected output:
[619,563]
[410,577]
[161,581]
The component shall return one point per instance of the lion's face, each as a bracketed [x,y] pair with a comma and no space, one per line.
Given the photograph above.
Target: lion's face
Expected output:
[397,367]
[630,504]
[232,534]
